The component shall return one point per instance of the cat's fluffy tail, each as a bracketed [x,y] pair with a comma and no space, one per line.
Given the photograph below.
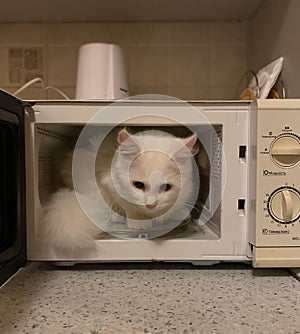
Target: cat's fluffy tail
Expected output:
[65,227]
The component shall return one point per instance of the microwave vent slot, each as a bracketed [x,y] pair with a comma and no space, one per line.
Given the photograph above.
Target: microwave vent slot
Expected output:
[241,206]
[46,171]
[48,133]
[53,141]
[216,153]
[242,153]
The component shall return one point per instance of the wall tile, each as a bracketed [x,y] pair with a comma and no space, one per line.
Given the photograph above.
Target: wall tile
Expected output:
[22,34]
[228,65]
[62,66]
[223,93]
[189,60]
[148,66]
[96,32]
[31,93]
[189,33]
[69,91]
[76,33]
[149,90]
[119,32]
[228,33]
[38,93]
[189,66]
[4,67]
[18,65]
[190,93]
[146,33]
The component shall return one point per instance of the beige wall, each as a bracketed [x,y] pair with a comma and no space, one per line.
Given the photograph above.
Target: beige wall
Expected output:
[274,32]
[189,60]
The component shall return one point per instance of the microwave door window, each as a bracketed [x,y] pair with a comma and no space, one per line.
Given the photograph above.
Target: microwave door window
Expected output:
[8,194]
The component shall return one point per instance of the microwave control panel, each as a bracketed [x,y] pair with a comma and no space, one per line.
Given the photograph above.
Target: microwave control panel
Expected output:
[278,174]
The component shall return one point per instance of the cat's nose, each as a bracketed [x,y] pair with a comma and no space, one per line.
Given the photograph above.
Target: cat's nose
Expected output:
[151,206]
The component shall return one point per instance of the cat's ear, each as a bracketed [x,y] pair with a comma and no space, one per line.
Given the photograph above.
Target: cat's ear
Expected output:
[123,135]
[183,152]
[127,145]
[190,142]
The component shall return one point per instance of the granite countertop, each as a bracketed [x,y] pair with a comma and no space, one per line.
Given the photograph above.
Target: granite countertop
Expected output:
[150,298]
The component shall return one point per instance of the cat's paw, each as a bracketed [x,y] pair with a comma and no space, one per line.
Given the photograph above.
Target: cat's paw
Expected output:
[139,224]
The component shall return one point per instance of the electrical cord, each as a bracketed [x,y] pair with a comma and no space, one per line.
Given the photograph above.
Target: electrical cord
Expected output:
[35,80]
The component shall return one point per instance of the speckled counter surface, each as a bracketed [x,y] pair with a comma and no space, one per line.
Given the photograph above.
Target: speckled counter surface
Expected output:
[150,298]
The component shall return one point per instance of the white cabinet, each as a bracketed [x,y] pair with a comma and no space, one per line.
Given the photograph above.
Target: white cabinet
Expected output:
[127,10]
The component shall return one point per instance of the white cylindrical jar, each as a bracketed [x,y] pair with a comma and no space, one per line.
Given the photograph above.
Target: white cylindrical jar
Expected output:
[101,72]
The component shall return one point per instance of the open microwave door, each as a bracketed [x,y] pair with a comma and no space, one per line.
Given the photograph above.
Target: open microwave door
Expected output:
[12,186]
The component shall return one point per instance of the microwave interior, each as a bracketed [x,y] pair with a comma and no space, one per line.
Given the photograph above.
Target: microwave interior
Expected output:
[53,141]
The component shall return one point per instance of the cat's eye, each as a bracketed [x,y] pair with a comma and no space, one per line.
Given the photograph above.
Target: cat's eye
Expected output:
[165,187]
[139,185]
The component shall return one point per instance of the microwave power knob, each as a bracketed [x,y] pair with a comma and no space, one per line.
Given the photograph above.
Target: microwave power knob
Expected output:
[284,205]
[285,150]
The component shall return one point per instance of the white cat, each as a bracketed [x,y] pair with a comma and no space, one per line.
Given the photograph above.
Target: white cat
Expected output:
[149,175]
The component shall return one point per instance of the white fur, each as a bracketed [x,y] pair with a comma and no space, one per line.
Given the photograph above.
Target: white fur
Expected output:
[66,227]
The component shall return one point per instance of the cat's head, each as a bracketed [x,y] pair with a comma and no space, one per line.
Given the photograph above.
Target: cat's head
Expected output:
[156,166]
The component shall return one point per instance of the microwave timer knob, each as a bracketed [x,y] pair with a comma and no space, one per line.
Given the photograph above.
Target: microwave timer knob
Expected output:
[285,150]
[284,205]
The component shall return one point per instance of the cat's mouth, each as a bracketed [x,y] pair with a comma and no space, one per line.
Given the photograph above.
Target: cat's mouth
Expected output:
[151,206]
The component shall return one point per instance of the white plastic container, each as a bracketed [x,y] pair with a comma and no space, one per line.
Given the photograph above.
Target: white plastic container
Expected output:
[101,72]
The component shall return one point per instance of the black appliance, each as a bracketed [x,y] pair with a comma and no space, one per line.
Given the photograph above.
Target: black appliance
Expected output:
[12,186]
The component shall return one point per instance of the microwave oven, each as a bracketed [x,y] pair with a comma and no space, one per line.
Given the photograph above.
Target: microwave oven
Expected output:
[249,179]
